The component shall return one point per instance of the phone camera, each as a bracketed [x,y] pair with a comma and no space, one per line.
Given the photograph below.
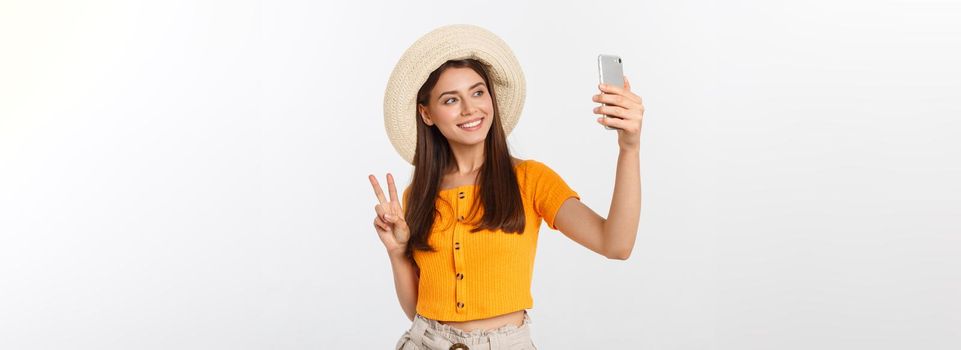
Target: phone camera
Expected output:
[618,60]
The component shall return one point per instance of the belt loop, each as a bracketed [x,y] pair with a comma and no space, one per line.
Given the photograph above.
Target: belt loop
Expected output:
[495,340]
[417,331]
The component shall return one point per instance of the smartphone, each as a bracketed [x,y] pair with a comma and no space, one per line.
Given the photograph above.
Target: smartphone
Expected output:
[610,71]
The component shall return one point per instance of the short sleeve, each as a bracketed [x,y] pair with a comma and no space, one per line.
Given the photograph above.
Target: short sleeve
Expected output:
[549,192]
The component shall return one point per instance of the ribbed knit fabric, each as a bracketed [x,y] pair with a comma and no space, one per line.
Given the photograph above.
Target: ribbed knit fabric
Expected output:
[486,273]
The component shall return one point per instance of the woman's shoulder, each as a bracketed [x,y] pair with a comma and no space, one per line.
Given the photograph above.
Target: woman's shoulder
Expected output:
[535,171]
[532,170]
[529,164]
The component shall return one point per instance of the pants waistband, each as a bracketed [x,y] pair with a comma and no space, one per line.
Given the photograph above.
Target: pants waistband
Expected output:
[438,327]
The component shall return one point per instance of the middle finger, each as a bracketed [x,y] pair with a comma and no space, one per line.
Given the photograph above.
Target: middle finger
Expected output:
[614,100]
[392,188]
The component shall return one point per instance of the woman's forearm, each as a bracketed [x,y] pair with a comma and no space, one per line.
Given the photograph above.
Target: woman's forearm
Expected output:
[620,228]
[405,282]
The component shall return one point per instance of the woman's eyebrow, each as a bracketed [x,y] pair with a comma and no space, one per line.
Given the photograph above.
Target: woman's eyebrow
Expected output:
[455,91]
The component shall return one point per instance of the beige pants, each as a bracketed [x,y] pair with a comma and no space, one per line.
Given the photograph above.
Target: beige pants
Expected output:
[428,334]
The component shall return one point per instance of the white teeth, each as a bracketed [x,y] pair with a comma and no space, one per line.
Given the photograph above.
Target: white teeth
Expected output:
[472,124]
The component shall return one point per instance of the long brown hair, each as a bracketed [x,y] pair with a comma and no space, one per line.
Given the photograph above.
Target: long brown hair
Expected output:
[499,193]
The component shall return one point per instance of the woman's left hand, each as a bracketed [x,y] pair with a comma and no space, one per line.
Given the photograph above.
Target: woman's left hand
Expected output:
[623,104]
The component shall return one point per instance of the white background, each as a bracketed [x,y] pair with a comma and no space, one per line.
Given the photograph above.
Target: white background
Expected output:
[193,174]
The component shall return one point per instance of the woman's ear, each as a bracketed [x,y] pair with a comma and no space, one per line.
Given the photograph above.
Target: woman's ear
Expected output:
[422,111]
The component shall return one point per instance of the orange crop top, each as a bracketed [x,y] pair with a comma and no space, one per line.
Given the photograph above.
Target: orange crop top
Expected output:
[484,274]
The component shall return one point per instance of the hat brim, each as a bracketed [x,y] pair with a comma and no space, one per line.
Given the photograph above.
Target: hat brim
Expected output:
[452,42]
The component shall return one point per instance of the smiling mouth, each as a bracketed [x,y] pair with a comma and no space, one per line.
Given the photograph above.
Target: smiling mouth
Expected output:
[471,124]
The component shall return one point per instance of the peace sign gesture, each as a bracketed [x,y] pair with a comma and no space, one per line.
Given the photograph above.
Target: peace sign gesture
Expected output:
[389,222]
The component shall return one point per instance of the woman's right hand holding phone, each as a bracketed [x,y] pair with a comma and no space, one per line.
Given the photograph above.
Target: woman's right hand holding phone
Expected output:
[389,222]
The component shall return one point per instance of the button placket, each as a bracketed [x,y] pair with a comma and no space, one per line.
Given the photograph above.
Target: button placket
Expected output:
[459,284]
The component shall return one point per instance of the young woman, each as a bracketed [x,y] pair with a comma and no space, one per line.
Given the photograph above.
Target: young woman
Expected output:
[463,240]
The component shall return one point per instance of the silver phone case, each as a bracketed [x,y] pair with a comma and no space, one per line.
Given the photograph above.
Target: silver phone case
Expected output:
[610,71]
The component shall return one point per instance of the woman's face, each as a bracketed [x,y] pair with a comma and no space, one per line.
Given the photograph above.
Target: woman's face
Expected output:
[457,102]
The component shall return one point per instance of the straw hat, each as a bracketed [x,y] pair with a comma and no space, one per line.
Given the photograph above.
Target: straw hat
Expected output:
[446,43]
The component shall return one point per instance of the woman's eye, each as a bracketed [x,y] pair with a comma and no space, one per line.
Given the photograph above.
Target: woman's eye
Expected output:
[449,100]
[479,92]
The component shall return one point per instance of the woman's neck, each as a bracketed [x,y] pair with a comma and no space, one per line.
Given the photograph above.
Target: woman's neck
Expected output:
[467,159]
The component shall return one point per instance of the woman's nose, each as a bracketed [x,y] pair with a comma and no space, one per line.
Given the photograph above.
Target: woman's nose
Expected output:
[467,108]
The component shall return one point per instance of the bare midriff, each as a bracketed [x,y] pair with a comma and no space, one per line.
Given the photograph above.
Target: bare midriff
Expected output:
[515,318]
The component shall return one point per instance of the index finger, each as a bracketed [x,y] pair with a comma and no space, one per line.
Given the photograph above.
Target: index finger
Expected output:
[377,190]
[616,90]
[391,188]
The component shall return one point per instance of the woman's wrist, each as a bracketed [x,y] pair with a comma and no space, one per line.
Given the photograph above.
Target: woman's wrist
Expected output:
[396,253]
[630,149]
